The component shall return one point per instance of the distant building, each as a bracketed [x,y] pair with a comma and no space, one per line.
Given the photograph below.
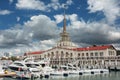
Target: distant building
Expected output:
[6,54]
[67,52]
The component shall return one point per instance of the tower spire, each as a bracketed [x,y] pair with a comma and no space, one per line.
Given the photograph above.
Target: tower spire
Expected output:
[64,22]
[65,41]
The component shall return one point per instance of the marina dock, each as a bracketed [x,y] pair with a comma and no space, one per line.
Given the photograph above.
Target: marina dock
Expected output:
[9,74]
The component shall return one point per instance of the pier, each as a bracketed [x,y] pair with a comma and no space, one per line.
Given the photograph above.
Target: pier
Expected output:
[9,74]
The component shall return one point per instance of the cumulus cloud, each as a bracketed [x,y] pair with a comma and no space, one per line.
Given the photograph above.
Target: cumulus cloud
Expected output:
[110,8]
[59,18]
[42,27]
[34,32]
[40,33]
[93,32]
[5,12]
[90,32]
[40,5]
[31,4]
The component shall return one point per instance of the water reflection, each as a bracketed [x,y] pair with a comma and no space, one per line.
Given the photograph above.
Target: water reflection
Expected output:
[110,76]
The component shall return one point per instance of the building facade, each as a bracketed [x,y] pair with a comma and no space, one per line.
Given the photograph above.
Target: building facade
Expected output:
[67,52]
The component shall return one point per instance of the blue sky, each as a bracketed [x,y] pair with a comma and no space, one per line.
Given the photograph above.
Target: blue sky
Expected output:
[32,25]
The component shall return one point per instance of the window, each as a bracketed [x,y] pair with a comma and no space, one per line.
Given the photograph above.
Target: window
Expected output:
[110,52]
[52,54]
[91,54]
[62,54]
[18,64]
[96,54]
[45,56]
[101,53]
[40,56]
[71,54]
[82,54]
[56,51]
[86,54]
[67,54]
[78,54]
[48,55]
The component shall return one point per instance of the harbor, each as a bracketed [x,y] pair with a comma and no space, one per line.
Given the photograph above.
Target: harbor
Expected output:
[63,60]
[59,40]
[28,69]
[111,76]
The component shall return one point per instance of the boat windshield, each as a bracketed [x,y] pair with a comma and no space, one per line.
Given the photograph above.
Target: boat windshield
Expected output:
[18,64]
[31,65]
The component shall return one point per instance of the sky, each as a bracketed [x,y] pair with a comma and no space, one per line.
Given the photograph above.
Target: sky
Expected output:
[34,25]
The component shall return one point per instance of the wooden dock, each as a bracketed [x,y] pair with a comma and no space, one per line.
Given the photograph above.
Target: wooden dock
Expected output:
[8,74]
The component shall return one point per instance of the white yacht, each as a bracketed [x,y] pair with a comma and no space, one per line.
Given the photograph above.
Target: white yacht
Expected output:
[42,67]
[92,71]
[1,69]
[99,71]
[60,73]
[23,69]
[18,66]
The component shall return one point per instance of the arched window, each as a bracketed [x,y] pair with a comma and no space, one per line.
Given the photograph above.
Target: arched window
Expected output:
[91,54]
[67,54]
[82,54]
[52,54]
[96,53]
[48,55]
[78,54]
[71,54]
[45,56]
[40,56]
[62,54]
[56,51]
[86,54]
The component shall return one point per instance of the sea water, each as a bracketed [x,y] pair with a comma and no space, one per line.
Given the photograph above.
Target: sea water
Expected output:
[109,76]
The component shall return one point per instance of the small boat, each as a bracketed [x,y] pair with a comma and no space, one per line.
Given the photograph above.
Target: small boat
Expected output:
[93,71]
[5,73]
[59,73]
[47,71]
[1,70]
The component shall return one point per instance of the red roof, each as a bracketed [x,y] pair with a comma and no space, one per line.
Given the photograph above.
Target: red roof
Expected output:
[90,48]
[36,52]
[103,47]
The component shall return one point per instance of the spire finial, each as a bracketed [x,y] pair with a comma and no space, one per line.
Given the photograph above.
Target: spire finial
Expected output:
[64,23]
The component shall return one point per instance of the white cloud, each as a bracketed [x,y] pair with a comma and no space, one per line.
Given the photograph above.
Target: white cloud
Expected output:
[42,27]
[59,18]
[73,17]
[31,4]
[114,35]
[92,32]
[69,2]
[40,33]
[33,35]
[110,8]
[40,5]
[5,12]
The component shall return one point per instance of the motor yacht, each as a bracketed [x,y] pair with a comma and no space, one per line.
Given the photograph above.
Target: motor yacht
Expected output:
[17,66]
[1,69]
